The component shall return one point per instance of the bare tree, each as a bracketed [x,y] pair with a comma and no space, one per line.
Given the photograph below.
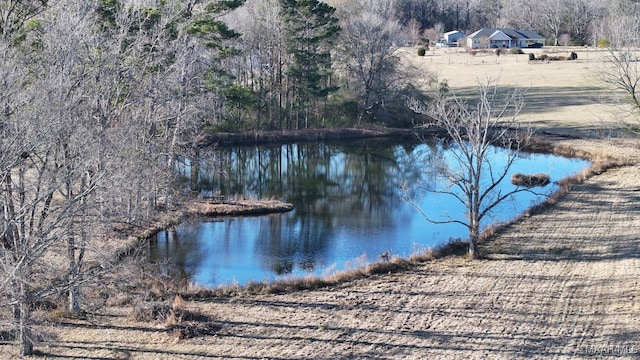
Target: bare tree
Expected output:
[14,142]
[489,12]
[581,18]
[104,96]
[553,14]
[621,68]
[263,63]
[413,31]
[471,178]
[43,205]
[434,34]
[50,172]
[519,14]
[484,42]
[14,14]
[366,50]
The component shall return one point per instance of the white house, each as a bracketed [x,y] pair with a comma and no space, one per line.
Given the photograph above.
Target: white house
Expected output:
[452,38]
[504,38]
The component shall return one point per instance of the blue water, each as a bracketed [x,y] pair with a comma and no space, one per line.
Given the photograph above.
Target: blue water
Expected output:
[348,208]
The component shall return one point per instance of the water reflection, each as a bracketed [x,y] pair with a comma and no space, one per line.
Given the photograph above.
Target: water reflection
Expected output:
[347,207]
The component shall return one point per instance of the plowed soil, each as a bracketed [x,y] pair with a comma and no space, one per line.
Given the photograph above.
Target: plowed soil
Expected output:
[559,284]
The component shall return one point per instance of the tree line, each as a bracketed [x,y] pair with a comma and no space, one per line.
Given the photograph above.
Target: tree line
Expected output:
[102,99]
[355,78]
[562,22]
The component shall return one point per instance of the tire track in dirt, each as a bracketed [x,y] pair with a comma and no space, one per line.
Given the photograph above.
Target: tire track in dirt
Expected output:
[547,291]
[560,284]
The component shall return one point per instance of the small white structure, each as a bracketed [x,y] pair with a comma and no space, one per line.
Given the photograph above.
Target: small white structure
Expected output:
[504,38]
[452,38]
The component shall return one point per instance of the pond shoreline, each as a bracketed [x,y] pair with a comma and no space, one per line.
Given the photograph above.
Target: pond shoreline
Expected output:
[559,282]
[273,137]
[373,250]
[196,207]
[237,207]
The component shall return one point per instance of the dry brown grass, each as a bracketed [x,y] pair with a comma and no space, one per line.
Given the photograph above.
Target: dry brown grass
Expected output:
[179,319]
[555,282]
[182,322]
[394,264]
[530,180]
[600,164]
[238,207]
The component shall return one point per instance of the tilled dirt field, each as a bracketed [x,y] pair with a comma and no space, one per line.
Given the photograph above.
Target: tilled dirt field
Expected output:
[560,284]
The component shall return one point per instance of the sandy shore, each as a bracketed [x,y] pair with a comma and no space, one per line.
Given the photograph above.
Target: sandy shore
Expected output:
[560,284]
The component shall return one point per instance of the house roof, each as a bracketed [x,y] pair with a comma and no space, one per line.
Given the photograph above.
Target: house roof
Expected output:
[500,35]
[512,33]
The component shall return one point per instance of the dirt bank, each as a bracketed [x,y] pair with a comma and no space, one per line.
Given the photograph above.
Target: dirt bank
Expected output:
[303,135]
[563,283]
[237,207]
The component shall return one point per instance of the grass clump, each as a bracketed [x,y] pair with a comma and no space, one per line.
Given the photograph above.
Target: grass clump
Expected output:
[149,311]
[530,180]
[178,319]
[387,264]
[183,323]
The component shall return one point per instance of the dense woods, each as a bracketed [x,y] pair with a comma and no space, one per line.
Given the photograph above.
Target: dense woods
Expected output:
[99,100]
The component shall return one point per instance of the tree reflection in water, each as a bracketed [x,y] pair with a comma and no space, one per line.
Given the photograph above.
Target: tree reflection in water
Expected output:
[347,203]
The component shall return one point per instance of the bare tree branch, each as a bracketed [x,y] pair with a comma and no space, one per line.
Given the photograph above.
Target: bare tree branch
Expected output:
[474,128]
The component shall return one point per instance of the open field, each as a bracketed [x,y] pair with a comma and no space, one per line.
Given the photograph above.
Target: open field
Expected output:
[560,284]
[561,95]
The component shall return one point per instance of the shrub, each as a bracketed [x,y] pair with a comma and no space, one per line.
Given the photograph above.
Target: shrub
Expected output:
[604,43]
[573,56]
[443,87]
[532,56]
[516,51]
[543,57]
[149,311]
[422,51]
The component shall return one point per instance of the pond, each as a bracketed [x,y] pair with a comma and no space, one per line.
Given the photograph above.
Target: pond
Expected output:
[348,208]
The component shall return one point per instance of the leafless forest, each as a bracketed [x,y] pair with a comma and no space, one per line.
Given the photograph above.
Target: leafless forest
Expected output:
[100,98]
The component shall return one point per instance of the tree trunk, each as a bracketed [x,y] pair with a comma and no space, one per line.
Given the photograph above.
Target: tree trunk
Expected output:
[172,151]
[22,314]
[74,297]
[74,289]
[473,249]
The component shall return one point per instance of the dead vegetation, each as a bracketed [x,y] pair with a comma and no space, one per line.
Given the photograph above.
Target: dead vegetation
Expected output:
[406,308]
[395,264]
[179,319]
[238,207]
[530,180]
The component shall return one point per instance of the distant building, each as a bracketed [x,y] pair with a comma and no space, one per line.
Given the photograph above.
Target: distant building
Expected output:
[504,38]
[451,39]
